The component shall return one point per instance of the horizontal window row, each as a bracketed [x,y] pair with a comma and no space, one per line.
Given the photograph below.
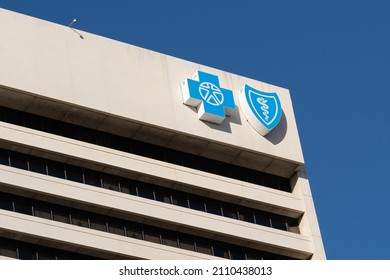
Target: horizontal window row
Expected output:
[130,229]
[146,190]
[27,251]
[143,149]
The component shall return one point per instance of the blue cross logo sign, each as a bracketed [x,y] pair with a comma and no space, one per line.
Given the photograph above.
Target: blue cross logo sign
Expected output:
[204,93]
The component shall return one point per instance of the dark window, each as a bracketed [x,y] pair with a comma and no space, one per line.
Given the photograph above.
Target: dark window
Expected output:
[42,210]
[253,254]
[203,246]
[128,186]
[163,195]
[75,256]
[19,161]
[74,173]
[2,114]
[189,161]
[70,131]
[110,182]
[293,225]
[92,178]
[87,135]
[269,256]
[60,214]
[79,218]
[34,122]
[7,248]
[4,157]
[23,205]
[27,252]
[103,139]
[15,117]
[229,210]
[262,219]
[97,222]
[121,144]
[246,215]
[284,184]
[220,250]
[155,152]
[196,202]
[56,169]
[152,234]
[239,174]
[145,190]
[37,165]
[139,148]
[62,255]
[273,256]
[169,238]
[255,177]
[223,169]
[46,254]
[179,198]
[278,222]
[134,230]
[213,207]
[270,181]
[171,157]
[207,165]
[237,253]
[186,242]
[6,202]
[51,126]
[116,226]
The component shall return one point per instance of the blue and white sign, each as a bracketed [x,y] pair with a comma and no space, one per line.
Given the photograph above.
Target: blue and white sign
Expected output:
[262,109]
[204,92]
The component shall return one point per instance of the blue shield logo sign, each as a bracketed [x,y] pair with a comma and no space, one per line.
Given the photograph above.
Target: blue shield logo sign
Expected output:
[262,109]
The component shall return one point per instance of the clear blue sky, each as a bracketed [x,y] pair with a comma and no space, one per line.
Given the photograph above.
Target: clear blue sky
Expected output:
[334,56]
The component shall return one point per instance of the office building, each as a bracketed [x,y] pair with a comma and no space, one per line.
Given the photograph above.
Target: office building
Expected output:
[111,151]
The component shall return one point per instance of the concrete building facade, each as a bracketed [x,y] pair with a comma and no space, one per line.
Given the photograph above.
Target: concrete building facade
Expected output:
[100,158]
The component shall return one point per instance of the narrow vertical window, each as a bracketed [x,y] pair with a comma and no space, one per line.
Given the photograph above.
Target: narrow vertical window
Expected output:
[134,230]
[97,222]
[186,242]
[116,226]
[128,186]
[79,218]
[56,169]
[37,165]
[179,198]
[92,178]
[163,195]
[196,202]
[145,190]
[213,206]
[23,205]
[152,234]
[19,161]
[4,159]
[42,210]
[6,202]
[8,248]
[74,173]
[110,182]
[169,238]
